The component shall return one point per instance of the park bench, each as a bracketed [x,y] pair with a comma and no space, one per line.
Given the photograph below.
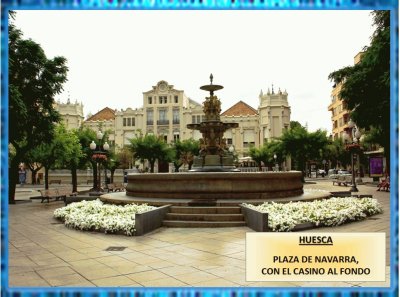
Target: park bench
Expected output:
[60,193]
[114,187]
[344,180]
[55,181]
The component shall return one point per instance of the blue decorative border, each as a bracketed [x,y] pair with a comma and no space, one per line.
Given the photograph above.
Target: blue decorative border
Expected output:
[202,5]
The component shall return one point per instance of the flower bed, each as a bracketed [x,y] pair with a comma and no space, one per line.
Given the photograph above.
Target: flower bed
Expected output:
[328,212]
[97,216]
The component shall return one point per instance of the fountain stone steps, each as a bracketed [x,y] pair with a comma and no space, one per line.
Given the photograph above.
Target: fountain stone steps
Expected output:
[203,217]
[206,210]
[202,224]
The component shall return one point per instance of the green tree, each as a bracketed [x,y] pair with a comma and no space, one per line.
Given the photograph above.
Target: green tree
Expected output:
[34,80]
[366,85]
[63,151]
[303,146]
[86,136]
[184,152]
[151,148]
[259,155]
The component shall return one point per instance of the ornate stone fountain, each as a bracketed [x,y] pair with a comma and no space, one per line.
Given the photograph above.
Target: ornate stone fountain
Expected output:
[214,155]
[214,180]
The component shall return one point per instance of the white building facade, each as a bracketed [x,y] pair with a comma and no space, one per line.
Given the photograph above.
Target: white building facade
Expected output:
[166,111]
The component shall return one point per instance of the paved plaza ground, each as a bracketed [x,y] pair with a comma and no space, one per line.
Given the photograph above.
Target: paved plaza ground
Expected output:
[43,252]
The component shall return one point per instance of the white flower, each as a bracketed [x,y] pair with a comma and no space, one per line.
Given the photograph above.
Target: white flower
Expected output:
[95,215]
[327,212]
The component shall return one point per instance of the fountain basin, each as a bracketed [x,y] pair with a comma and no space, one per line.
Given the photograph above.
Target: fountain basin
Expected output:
[215,185]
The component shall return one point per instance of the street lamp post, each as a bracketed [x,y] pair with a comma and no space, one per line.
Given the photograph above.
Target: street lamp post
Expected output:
[276,163]
[355,137]
[99,156]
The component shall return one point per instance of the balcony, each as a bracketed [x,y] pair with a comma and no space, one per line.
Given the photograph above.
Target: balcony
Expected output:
[162,122]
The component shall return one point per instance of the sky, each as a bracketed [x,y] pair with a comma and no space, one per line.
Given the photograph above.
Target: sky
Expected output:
[115,56]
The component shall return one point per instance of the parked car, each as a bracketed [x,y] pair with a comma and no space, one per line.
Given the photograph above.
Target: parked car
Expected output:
[343,172]
[332,172]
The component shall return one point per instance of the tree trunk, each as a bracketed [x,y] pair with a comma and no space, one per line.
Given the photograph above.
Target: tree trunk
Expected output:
[74,179]
[12,179]
[112,175]
[46,178]
[33,174]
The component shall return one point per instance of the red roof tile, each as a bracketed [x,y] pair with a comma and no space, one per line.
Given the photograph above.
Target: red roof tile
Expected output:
[240,109]
[105,114]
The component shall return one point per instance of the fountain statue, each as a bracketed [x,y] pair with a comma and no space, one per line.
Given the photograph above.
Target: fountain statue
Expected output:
[213,180]
[214,155]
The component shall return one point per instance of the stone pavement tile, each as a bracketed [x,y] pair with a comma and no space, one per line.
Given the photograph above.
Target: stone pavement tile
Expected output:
[146,260]
[19,269]
[160,264]
[181,260]
[140,247]
[218,282]
[71,256]
[129,268]
[46,255]
[163,282]
[115,281]
[27,279]
[96,272]
[205,265]
[84,283]
[55,272]
[239,255]
[147,276]
[222,271]
[64,280]
[132,256]
[194,278]
[84,263]
[21,261]
[51,261]
[109,259]
[178,270]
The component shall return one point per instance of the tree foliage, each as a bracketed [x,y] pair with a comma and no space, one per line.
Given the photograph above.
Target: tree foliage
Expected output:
[366,85]
[302,145]
[152,148]
[34,80]
[184,152]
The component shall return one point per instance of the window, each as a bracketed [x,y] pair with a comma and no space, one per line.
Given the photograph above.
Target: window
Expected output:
[229,141]
[176,137]
[198,119]
[124,122]
[150,100]
[129,122]
[165,137]
[193,119]
[150,117]
[162,99]
[175,116]
[175,99]
[133,121]
[162,117]
[203,118]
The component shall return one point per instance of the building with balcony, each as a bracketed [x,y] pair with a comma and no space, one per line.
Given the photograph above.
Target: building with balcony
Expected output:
[166,111]
[340,115]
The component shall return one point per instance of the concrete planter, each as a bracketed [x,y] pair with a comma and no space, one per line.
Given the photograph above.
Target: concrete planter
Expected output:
[258,221]
[150,220]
